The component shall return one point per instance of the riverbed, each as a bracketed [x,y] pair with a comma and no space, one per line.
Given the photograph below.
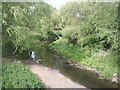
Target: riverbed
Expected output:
[57,64]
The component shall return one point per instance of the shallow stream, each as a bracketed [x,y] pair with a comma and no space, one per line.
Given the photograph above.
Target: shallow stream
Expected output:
[58,64]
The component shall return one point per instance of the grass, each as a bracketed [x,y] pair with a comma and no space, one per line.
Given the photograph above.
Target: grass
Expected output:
[107,64]
[16,75]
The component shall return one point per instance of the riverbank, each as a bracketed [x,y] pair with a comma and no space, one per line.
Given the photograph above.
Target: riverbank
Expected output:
[104,63]
[16,75]
[53,79]
[50,78]
[58,64]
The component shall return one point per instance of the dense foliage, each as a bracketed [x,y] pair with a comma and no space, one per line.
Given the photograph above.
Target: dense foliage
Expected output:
[25,25]
[87,29]
[16,75]
[104,61]
[90,24]
[79,30]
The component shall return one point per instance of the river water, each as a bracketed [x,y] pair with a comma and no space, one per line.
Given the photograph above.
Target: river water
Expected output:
[84,77]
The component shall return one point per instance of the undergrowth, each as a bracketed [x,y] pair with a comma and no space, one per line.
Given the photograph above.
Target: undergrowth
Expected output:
[16,75]
[106,64]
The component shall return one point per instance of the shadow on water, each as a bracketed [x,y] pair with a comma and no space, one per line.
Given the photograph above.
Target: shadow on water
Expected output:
[84,77]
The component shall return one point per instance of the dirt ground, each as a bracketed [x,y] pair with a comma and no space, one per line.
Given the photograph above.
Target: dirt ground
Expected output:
[53,79]
[50,78]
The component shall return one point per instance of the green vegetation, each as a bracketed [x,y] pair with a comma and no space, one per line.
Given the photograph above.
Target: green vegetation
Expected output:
[106,64]
[16,75]
[75,53]
[78,30]
[92,27]
[94,30]
[25,26]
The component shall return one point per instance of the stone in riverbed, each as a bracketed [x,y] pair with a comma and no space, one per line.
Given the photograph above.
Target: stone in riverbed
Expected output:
[115,78]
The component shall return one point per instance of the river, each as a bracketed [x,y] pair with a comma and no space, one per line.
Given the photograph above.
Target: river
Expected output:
[57,64]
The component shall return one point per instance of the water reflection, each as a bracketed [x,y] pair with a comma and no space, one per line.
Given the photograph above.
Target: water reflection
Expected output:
[84,77]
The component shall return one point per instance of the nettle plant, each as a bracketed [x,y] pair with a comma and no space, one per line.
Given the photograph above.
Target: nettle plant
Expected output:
[16,75]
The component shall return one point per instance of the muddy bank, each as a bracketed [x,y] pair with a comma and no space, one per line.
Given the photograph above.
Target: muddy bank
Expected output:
[53,79]
[68,69]
[113,80]
[49,77]
[74,63]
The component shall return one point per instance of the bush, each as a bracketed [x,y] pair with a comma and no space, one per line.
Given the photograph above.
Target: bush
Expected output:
[15,75]
[97,24]
[73,52]
[107,64]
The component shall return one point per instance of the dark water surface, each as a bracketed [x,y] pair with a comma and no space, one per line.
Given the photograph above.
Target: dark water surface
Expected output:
[84,77]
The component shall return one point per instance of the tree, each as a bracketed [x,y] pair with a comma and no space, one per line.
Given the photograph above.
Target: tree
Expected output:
[95,23]
[26,24]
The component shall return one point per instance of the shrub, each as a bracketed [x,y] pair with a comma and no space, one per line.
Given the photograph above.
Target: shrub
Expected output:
[15,75]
